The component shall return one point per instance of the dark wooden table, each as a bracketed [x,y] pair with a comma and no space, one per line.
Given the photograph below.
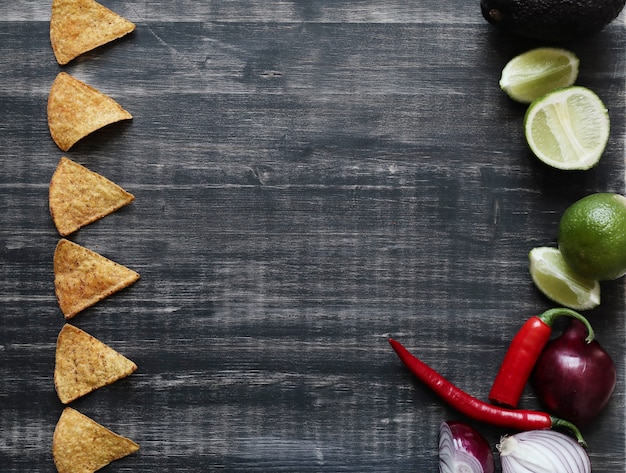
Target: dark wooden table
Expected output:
[310,177]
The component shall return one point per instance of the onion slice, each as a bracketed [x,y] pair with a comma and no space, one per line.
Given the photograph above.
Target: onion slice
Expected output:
[462,449]
[542,451]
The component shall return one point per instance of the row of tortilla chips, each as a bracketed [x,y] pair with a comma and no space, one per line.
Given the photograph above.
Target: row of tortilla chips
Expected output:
[82,277]
[76,109]
[83,363]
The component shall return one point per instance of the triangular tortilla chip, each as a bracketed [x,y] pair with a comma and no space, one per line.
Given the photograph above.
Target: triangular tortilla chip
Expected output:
[83,277]
[78,26]
[76,109]
[79,196]
[81,445]
[83,364]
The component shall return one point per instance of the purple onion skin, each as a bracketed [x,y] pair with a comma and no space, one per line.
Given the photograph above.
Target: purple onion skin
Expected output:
[469,442]
[574,379]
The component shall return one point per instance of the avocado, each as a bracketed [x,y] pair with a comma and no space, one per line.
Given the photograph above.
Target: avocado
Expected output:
[551,20]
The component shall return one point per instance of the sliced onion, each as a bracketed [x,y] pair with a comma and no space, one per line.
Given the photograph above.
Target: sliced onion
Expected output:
[462,449]
[542,451]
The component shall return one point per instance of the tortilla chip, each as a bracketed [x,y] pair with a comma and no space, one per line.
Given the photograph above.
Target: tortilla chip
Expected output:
[78,26]
[83,277]
[76,109]
[83,364]
[79,196]
[81,445]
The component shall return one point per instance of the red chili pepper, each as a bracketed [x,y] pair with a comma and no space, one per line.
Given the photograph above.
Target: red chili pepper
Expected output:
[524,352]
[478,410]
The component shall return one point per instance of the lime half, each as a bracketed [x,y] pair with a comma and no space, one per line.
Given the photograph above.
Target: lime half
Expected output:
[536,72]
[556,280]
[568,128]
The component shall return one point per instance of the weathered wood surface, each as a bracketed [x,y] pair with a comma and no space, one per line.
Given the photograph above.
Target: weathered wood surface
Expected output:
[310,176]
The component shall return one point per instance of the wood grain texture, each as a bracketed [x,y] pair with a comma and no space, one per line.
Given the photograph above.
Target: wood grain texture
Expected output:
[310,176]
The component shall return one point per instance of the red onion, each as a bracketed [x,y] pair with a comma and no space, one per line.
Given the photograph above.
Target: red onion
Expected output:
[574,379]
[462,449]
[542,451]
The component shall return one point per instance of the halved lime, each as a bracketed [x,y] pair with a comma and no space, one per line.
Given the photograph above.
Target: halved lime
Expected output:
[568,128]
[559,283]
[536,72]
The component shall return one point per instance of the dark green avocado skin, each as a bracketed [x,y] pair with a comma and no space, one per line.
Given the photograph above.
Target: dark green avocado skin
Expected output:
[551,20]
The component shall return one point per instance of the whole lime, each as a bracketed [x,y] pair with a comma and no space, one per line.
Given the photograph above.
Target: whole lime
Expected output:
[592,236]
[551,20]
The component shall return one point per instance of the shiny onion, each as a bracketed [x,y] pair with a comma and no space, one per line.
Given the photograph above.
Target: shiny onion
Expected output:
[463,449]
[542,451]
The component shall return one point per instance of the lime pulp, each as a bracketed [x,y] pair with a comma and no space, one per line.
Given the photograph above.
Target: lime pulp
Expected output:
[534,73]
[559,283]
[568,128]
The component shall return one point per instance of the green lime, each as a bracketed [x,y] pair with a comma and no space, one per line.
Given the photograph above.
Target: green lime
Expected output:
[592,236]
[556,280]
[536,72]
[568,128]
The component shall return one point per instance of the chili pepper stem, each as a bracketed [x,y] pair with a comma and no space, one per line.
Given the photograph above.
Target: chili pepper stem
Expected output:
[566,425]
[550,315]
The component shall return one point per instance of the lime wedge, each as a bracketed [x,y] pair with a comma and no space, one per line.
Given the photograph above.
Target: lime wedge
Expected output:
[536,72]
[559,283]
[568,128]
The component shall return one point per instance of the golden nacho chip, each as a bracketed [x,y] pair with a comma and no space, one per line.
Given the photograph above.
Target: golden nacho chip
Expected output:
[83,364]
[81,445]
[83,277]
[79,196]
[76,109]
[78,26]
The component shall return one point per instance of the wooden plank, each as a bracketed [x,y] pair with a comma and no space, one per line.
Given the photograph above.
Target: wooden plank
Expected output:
[310,177]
